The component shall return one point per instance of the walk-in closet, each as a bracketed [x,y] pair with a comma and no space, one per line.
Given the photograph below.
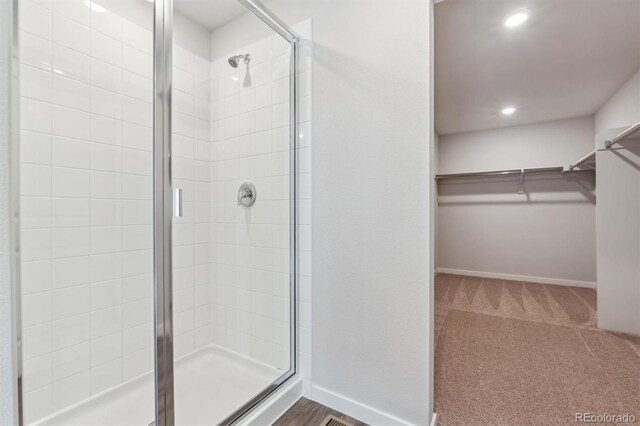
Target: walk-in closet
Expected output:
[537,181]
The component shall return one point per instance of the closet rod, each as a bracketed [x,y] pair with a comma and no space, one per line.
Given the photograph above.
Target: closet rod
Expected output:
[631,130]
[622,136]
[581,161]
[500,172]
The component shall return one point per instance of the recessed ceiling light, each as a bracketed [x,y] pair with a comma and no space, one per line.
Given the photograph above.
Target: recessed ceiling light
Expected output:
[516,19]
[508,110]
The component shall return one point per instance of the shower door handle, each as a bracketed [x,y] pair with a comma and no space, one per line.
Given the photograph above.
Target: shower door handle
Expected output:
[177,203]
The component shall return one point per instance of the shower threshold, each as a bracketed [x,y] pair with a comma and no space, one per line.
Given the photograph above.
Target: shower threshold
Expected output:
[210,384]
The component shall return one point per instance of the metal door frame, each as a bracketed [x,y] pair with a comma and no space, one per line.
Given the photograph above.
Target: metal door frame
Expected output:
[162,213]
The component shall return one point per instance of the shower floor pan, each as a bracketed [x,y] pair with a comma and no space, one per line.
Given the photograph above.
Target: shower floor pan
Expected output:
[210,384]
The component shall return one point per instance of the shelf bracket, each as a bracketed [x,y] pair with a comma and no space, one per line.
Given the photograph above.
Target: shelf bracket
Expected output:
[521,182]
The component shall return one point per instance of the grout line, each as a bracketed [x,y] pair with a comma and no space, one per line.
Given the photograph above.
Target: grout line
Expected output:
[51,320]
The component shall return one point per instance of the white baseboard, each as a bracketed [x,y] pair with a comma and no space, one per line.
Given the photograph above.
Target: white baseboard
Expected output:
[355,409]
[434,419]
[525,278]
[276,405]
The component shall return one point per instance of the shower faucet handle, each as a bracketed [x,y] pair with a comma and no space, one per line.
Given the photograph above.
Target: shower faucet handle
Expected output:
[246,194]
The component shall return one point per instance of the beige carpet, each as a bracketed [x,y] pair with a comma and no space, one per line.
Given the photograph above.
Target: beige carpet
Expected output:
[512,353]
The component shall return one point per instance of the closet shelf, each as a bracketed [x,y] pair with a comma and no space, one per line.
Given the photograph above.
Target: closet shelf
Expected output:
[499,172]
[586,160]
[506,172]
[589,159]
[631,133]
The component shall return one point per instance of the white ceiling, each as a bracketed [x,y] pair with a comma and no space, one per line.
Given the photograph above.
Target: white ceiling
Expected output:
[210,14]
[565,61]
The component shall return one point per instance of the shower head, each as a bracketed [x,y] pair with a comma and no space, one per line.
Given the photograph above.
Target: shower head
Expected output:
[235,60]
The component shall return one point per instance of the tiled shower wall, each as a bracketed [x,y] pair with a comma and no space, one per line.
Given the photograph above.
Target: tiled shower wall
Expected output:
[250,246]
[86,212]
[251,134]
[191,171]
[86,140]
[86,117]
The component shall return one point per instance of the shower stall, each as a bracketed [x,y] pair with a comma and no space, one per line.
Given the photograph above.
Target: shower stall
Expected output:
[155,208]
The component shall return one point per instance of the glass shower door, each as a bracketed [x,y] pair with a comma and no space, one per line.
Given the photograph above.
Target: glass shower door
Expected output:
[156,163]
[232,246]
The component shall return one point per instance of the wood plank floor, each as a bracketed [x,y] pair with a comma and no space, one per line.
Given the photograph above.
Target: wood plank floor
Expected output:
[309,413]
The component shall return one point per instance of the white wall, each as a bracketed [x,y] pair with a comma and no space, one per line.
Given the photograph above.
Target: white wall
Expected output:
[551,143]
[619,238]
[485,226]
[8,398]
[622,109]
[617,213]
[371,188]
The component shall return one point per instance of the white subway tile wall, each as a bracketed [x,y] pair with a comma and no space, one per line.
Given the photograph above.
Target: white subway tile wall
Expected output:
[250,246]
[191,146]
[86,117]
[86,194]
